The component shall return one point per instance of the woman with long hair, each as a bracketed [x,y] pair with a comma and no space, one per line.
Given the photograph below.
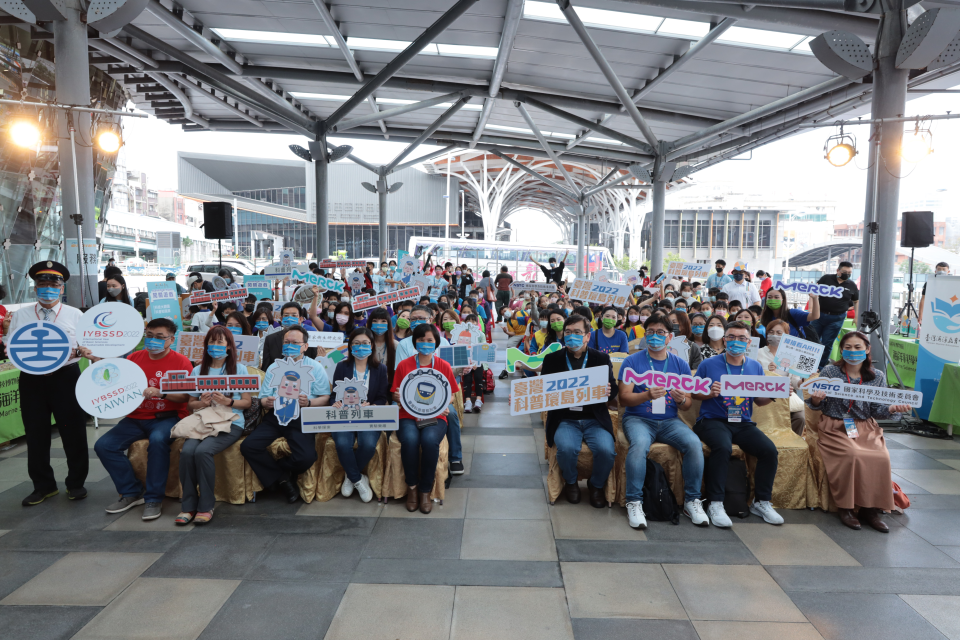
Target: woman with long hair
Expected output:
[402,328]
[343,319]
[681,324]
[384,345]
[698,328]
[196,459]
[237,324]
[262,320]
[713,344]
[851,442]
[117,290]
[775,308]
[448,320]
[767,357]
[748,318]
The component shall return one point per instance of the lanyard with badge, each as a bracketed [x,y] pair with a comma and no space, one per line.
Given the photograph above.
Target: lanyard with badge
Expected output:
[734,410]
[658,405]
[848,422]
[570,368]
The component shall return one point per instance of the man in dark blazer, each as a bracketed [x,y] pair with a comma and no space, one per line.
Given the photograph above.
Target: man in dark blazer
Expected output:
[569,428]
[273,343]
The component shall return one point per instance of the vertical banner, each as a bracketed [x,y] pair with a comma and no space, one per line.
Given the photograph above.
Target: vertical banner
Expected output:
[90,255]
[939,338]
[164,301]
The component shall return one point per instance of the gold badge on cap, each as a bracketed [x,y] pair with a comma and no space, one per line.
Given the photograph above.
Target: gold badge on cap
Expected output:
[49,264]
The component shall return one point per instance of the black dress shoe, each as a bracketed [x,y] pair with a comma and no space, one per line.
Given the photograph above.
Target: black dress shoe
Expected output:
[38,496]
[77,494]
[289,490]
[572,493]
[503,374]
[597,499]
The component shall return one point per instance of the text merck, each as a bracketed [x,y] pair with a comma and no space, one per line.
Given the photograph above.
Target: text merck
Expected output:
[668,381]
[824,290]
[745,385]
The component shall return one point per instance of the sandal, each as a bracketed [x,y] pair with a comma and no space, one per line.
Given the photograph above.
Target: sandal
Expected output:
[203,517]
[185,517]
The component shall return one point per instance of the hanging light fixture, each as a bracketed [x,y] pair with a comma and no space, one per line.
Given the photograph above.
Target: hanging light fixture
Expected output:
[916,145]
[839,149]
[108,138]
[25,132]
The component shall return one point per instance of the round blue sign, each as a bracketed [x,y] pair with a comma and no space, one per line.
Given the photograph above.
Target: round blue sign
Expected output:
[39,347]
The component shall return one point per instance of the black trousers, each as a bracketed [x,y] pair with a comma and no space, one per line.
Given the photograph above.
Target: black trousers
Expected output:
[720,436]
[40,398]
[303,450]
[503,300]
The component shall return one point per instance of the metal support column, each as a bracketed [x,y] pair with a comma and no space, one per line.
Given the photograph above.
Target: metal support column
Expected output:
[320,161]
[76,163]
[656,227]
[581,243]
[382,198]
[883,184]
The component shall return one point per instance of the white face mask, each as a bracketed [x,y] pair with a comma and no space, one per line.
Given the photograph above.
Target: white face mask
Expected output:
[686,294]
[715,333]
[942,272]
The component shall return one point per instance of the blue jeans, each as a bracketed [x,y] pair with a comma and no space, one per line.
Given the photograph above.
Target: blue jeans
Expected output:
[828,328]
[453,435]
[420,451]
[641,433]
[354,461]
[111,447]
[570,435]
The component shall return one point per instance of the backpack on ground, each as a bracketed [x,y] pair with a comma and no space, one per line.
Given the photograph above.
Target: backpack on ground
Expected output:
[489,381]
[735,497]
[659,505]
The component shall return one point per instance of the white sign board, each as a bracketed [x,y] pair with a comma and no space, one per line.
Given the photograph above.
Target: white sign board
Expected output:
[837,388]
[425,393]
[668,381]
[39,348]
[559,390]
[90,254]
[111,388]
[329,419]
[687,270]
[753,351]
[324,339]
[110,329]
[605,293]
[754,387]
[823,290]
[542,287]
[798,357]
[248,347]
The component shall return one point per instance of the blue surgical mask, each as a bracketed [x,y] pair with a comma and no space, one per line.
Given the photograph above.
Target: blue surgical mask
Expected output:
[854,357]
[216,351]
[426,348]
[235,330]
[737,348]
[361,350]
[681,309]
[543,324]
[573,341]
[154,345]
[379,328]
[698,329]
[655,342]
[289,321]
[261,325]
[707,313]
[291,350]
[48,294]
[416,323]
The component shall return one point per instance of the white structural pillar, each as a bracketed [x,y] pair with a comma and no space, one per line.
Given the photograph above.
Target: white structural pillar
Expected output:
[889,100]
[656,226]
[581,243]
[73,88]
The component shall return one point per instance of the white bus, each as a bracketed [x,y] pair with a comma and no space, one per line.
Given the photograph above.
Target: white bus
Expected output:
[482,255]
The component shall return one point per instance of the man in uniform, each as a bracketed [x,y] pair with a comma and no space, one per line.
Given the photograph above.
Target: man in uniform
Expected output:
[53,394]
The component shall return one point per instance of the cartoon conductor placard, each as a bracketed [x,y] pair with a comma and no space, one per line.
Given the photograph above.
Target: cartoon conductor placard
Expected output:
[350,393]
[291,379]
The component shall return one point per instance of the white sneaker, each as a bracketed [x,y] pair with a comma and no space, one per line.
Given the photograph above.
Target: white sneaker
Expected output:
[467,406]
[363,488]
[635,515]
[478,405]
[694,510]
[718,516]
[346,489]
[765,510]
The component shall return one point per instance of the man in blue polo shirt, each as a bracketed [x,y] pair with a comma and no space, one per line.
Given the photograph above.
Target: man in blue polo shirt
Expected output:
[651,416]
[725,421]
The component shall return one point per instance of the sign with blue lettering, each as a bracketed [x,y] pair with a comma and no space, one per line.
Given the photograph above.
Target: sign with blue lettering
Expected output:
[111,388]
[823,290]
[798,357]
[39,348]
[258,285]
[330,419]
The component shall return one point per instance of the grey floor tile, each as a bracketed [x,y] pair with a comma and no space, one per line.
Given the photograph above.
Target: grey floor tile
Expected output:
[621,629]
[899,548]
[301,613]
[507,504]
[341,526]
[793,544]
[495,431]
[508,540]
[521,614]
[493,573]
[920,442]
[17,567]
[121,541]
[910,459]
[506,464]
[48,623]
[940,454]
[454,506]
[908,487]
[307,557]
[943,612]
[474,481]
[605,590]
[863,616]
[933,480]
[654,551]
[687,532]
[414,538]
[727,630]
[953,552]
[740,593]
[932,501]
[504,444]
[403,611]
[72,515]
[227,557]
[939,527]
[338,506]
[925,581]
[268,503]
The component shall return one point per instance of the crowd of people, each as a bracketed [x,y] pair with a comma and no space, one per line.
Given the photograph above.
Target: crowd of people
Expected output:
[717,322]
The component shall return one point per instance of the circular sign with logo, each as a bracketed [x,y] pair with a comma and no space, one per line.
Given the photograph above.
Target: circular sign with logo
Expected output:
[111,388]
[425,393]
[110,329]
[39,348]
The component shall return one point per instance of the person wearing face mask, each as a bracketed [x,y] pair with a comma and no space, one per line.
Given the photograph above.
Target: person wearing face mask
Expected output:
[342,320]
[420,447]
[384,343]
[833,311]
[466,281]
[402,328]
[706,308]
[633,327]
[719,279]
[797,320]
[850,441]
[713,343]
[282,473]
[153,420]
[942,269]
[555,272]
[237,324]
[767,357]
[515,326]
[273,343]
[568,428]
[740,289]
[651,416]
[686,292]
[726,420]
[552,331]
[608,338]
[117,290]
[698,332]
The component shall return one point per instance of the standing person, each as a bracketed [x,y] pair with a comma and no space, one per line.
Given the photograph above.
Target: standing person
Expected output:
[851,442]
[719,279]
[196,458]
[38,399]
[555,272]
[833,311]
[420,447]
[569,428]
[152,420]
[741,290]
[466,281]
[725,421]
[646,421]
[502,285]
[775,308]
[942,269]
[108,272]
[282,474]
[117,290]
[765,282]
[172,277]
[608,338]
[361,363]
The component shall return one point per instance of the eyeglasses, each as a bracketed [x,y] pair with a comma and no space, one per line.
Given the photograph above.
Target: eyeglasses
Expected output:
[574,333]
[358,342]
[660,333]
[156,336]
[732,338]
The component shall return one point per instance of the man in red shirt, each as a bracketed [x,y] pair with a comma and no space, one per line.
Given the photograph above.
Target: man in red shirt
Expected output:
[153,419]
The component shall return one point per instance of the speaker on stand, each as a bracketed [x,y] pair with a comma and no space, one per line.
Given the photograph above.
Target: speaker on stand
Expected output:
[218,223]
[916,230]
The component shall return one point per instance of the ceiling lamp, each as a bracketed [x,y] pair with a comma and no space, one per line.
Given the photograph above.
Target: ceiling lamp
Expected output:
[839,149]
[109,140]
[916,145]
[25,133]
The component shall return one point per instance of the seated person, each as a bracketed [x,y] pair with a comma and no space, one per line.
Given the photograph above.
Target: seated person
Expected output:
[851,442]
[282,473]
[646,421]
[420,446]
[152,420]
[361,363]
[569,428]
[724,421]
[609,339]
[290,316]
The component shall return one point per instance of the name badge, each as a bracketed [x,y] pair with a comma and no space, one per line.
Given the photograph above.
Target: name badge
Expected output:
[734,414]
[850,426]
[576,408]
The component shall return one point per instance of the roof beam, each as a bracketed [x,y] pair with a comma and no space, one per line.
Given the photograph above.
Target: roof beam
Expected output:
[525,168]
[488,106]
[429,131]
[599,128]
[222,102]
[546,145]
[511,22]
[424,158]
[390,113]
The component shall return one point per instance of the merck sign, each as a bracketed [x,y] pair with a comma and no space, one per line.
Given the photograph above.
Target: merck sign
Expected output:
[668,381]
[755,386]
[825,290]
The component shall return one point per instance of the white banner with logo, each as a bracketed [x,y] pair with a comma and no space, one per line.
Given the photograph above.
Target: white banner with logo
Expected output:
[111,388]
[939,336]
[330,419]
[110,329]
[754,387]
[837,388]
[822,290]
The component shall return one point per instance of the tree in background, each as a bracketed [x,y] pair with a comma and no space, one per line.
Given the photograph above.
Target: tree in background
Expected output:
[624,263]
[918,267]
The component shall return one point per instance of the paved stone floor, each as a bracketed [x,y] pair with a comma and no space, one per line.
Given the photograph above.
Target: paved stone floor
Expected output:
[495,561]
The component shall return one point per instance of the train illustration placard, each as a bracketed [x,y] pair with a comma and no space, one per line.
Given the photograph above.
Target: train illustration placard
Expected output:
[425,393]
[183,382]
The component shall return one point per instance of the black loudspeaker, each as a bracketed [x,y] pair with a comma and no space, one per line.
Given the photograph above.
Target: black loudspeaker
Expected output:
[218,221]
[916,229]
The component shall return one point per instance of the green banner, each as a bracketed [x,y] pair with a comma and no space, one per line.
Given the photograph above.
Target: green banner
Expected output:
[11,425]
[903,353]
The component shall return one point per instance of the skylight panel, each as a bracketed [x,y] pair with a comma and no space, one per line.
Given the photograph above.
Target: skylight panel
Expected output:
[273,37]
[375,44]
[501,127]
[443,105]
[804,45]
[619,20]
[761,38]
[301,95]
[466,51]
[689,28]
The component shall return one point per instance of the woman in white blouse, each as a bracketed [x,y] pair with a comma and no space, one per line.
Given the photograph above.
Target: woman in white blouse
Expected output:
[767,357]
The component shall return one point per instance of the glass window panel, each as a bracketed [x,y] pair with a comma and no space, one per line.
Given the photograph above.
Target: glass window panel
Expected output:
[703,233]
[749,232]
[686,234]
[766,233]
[733,233]
[671,233]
